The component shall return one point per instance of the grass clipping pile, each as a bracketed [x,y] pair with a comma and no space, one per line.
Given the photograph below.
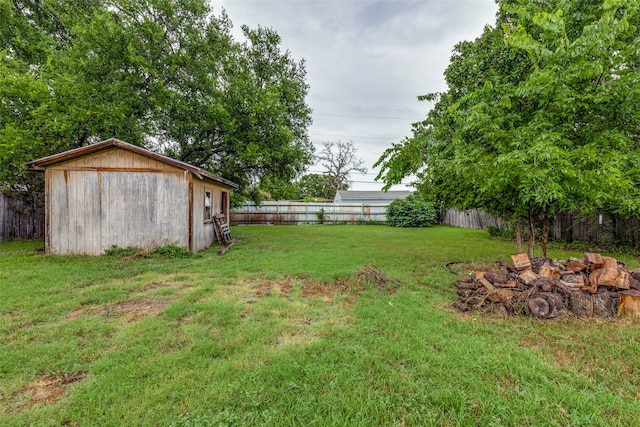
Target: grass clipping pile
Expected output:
[596,286]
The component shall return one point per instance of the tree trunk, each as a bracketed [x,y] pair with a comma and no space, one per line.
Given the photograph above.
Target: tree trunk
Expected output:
[532,234]
[517,226]
[545,234]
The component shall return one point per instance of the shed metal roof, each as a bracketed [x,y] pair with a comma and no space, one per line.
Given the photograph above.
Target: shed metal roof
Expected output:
[41,164]
[361,196]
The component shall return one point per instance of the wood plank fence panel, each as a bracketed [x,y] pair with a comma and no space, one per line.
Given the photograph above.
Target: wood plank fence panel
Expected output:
[474,219]
[291,213]
[21,216]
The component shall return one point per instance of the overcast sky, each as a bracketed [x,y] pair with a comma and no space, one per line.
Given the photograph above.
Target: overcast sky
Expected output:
[367,61]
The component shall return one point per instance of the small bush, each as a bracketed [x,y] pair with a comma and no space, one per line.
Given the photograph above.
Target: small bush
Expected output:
[168,251]
[117,251]
[172,251]
[501,232]
[411,212]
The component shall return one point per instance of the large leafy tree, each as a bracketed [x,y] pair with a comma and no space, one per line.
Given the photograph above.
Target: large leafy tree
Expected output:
[165,75]
[541,115]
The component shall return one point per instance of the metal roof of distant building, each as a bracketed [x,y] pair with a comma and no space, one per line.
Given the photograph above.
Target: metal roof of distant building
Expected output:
[369,195]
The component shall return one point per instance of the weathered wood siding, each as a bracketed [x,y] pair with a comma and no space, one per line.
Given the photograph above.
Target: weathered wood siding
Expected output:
[203,232]
[285,212]
[115,198]
[21,216]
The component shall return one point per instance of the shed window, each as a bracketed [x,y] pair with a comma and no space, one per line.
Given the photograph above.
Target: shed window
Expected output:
[208,205]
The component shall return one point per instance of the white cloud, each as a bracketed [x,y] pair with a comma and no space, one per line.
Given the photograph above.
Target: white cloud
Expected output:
[367,61]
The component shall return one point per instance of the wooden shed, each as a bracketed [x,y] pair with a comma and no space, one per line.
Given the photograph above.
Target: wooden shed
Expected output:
[114,193]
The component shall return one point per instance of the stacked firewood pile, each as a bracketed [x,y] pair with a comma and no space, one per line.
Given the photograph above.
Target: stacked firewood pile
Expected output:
[544,288]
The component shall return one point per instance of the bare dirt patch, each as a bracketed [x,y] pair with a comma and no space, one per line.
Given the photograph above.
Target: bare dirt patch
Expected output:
[325,290]
[135,310]
[45,390]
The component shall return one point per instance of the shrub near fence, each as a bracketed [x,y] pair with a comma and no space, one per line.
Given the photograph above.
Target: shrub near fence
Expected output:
[292,213]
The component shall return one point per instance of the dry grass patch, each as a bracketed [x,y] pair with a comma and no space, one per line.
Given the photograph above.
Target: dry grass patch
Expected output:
[45,390]
[133,310]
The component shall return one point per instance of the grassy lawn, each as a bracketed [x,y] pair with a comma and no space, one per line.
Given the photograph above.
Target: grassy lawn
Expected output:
[280,331]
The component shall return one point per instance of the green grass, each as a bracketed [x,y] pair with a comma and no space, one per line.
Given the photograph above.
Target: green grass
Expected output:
[278,332]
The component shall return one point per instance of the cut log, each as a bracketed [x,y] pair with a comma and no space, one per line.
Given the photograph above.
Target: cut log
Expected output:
[503,298]
[528,277]
[580,303]
[612,275]
[622,281]
[603,303]
[607,275]
[593,261]
[507,284]
[549,271]
[634,283]
[544,284]
[592,286]
[494,278]
[573,285]
[521,261]
[629,304]
[635,274]
[480,274]
[545,305]
[539,307]
[574,264]
[486,284]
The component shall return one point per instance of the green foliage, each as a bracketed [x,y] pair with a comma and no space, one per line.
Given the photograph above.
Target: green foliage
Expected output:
[165,75]
[316,185]
[172,251]
[167,251]
[541,115]
[119,252]
[501,232]
[411,211]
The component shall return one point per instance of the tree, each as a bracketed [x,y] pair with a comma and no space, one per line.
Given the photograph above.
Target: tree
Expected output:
[541,115]
[165,75]
[340,160]
[316,185]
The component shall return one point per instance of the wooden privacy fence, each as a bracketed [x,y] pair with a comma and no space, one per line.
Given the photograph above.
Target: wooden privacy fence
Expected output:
[475,219]
[291,213]
[567,226]
[570,226]
[21,216]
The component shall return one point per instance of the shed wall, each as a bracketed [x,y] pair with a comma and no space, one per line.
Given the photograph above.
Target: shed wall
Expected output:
[204,231]
[115,198]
